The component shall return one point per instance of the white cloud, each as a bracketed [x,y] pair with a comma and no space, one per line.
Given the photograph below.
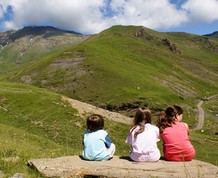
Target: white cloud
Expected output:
[65,14]
[3,8]
[153,14]
[202,11]
[9,25]
[85,16]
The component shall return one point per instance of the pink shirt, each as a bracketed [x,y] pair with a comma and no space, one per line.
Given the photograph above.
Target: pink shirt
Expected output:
[177,146]
[144,146]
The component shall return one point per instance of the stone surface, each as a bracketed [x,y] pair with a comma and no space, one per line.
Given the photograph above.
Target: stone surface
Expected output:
[74,166]
[2,174]
[18,175]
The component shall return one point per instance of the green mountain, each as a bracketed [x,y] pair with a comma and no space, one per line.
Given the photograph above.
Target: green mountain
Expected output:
[20,48]
[121,68]
[130,64]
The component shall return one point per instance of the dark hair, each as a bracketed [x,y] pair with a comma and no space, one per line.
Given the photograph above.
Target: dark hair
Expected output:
[95,122]
[178,109]
[141,118]
[169,118]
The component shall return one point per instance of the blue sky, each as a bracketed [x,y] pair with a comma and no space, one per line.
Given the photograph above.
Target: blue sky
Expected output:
[92,16]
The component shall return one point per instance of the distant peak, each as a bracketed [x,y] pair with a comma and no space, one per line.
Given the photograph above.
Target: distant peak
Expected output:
[213,35]
[43,31]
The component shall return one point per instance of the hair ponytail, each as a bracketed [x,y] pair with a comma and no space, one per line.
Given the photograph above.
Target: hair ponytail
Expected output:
[141,118]
[168,119]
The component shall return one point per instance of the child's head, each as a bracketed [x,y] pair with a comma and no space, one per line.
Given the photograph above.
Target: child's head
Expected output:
[95,122]
[173,113]
[142,116]
[179,112]
[168,119]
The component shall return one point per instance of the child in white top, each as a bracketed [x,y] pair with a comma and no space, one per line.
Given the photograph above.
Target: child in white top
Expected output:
[143,137]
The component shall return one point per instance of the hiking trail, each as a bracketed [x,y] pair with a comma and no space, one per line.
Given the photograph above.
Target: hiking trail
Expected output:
[200,113]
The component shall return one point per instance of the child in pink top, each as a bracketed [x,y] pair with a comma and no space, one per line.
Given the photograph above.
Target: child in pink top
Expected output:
[179,112]
[176,146]
[143,137]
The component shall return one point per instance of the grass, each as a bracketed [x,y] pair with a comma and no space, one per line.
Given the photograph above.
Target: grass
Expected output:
[36,123]
[18,103]
[115,67]
[206,140]
[19,146]
[205,145]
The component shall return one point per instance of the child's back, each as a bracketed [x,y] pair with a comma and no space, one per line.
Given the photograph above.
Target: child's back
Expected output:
[96,142]
[94,145]
[175,136]
[144,147]
[144,137]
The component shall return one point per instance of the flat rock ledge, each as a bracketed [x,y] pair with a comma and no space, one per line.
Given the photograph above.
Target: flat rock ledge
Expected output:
[75,166]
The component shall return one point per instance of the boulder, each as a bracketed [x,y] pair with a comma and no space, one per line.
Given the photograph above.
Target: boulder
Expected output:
[75,166]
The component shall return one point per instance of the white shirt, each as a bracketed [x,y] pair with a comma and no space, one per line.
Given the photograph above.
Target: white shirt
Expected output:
[144,146]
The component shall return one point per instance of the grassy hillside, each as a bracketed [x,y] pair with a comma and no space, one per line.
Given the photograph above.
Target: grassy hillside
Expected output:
[36,123]
[128,64]
[23,47]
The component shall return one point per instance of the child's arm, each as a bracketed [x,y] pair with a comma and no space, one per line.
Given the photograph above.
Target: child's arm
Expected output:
[83,143]
[186,125]
[107,142]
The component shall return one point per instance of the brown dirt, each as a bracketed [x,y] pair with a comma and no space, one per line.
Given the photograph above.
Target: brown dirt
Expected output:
[84,109]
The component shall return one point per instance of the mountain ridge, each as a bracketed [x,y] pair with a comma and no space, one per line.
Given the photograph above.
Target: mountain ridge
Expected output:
[33,28]
[213,35]
[45,31]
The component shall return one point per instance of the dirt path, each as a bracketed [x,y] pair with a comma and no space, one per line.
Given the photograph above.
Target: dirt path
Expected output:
[200,116]
[200,113]
[84,109]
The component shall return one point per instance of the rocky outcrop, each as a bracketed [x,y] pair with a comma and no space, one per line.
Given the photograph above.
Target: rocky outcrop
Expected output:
[141,33]
[172,47]
[175,49]
[75,166]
